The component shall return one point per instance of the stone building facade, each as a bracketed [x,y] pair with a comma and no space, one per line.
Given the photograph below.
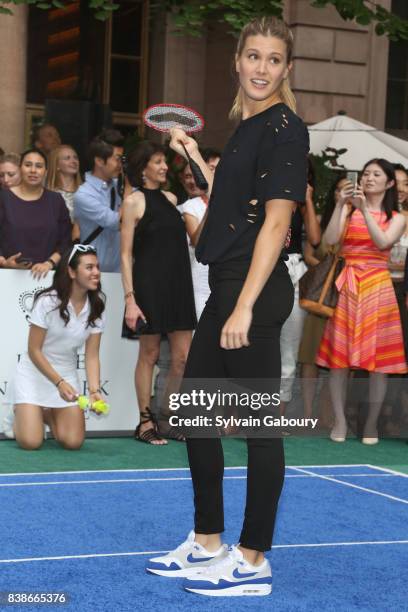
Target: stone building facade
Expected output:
[338,66]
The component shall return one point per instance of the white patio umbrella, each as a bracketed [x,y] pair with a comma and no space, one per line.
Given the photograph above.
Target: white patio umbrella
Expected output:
[362,142]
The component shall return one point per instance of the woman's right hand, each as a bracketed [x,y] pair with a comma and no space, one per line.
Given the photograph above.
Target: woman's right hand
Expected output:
[178,136]
[132,314]
[11,263]
[68,393]
[345,194]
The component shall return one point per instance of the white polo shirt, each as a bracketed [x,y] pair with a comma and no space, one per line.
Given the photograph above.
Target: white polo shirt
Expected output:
[60,347]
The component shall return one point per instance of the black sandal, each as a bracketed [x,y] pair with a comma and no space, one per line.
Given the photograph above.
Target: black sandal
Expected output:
[170,432]
[149,435]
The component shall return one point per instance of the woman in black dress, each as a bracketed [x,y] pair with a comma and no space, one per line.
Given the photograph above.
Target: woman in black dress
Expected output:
[156,278]
[261,175]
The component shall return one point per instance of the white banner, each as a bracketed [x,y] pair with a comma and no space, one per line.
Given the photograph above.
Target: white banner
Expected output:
[118,356]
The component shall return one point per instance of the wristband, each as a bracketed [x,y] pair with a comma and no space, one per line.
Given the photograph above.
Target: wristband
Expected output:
[59,382]
[128,294]
[52,262]
[92,391]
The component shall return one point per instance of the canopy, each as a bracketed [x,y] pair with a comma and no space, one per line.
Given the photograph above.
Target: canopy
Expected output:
[362,142]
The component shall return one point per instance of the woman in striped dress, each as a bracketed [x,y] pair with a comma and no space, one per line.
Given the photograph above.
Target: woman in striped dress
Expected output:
[365,330]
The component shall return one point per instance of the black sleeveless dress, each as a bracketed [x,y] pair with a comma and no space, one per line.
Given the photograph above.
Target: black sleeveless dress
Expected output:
[161,269]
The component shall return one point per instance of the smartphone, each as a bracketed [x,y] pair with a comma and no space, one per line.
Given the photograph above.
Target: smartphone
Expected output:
[24,260]
[140,325]
[352,176]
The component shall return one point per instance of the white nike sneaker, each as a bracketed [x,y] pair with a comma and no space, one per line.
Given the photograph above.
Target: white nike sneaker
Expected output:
[232,576]
[186,560]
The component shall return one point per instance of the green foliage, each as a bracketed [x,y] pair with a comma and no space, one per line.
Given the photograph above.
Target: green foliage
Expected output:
[102,8]
[365,12]
[326,167]
[190,16]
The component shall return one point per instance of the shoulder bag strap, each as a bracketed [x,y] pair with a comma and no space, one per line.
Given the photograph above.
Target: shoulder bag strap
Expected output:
[100,229]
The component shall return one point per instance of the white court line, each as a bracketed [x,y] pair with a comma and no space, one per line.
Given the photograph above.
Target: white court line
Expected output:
[162,552]
[122,480]
[335,465]
[90,556]
[327,544]
[124,471]
[388,470]
[179,469]
[109,481]
[354,486]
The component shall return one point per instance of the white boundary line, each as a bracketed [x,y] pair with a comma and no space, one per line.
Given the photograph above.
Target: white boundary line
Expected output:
[178,469]
[124,471]
[354,486]
[335,465]
[109,481]
[158,552]
[90,556]
[388,470]
[187,478]
[328,544]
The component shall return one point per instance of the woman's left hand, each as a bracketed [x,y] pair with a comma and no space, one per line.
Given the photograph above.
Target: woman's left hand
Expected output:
[359,200]
[95,397]
[40,270]
[234,334]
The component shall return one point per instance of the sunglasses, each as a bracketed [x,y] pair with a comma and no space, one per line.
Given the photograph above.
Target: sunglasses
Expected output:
[81,248]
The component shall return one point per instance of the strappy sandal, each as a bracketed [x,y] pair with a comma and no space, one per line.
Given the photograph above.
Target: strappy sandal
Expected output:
[170,432]
[149,435]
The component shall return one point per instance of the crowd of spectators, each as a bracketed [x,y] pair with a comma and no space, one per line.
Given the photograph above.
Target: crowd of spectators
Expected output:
[47,204]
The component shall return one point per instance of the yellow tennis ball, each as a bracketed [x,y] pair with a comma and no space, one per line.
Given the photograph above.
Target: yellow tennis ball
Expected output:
[100,406]
[83,402]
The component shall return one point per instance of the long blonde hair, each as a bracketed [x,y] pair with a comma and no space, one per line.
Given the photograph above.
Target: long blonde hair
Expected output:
[266,26]
[53,177]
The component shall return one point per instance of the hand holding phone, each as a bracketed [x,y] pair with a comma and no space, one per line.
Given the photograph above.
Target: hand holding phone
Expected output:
[352,176]
[24,261]
[17,261]
[134,317]
[140,325]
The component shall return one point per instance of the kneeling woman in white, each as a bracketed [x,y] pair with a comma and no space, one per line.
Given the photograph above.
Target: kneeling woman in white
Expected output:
[64,317]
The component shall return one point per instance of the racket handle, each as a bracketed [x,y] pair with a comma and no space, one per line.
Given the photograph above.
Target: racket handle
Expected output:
[199,177]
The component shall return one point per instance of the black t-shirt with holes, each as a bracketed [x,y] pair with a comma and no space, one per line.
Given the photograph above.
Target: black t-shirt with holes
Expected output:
[265,159]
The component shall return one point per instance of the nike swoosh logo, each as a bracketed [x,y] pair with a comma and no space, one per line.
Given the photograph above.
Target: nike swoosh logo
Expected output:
[192,559]
[238,575]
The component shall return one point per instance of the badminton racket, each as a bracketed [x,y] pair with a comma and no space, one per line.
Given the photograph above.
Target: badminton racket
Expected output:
[164,117]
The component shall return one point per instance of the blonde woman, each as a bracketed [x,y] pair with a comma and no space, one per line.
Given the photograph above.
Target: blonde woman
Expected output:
[64,177]
[10,174]
[261,176]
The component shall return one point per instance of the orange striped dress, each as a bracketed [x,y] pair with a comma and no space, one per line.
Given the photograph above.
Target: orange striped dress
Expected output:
[365,331]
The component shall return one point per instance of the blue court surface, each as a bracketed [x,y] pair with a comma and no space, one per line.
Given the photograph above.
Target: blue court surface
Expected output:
[340,542]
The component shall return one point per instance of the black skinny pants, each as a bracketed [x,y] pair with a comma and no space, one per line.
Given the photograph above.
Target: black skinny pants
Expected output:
[259,360]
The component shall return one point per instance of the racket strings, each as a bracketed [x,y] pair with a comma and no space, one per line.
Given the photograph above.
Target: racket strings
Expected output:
[172,119]
[165,117]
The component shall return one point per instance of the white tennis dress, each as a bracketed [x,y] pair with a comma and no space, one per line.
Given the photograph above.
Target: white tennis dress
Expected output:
[60,347]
